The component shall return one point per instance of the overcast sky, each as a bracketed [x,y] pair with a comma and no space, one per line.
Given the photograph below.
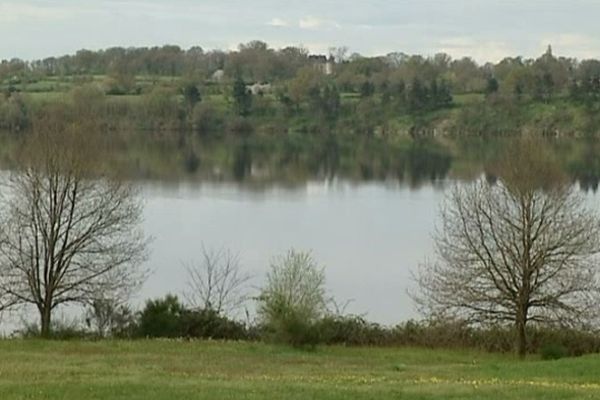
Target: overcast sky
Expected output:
[486,30]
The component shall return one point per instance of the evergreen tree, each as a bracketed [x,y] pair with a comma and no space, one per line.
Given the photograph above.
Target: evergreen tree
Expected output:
[241,97]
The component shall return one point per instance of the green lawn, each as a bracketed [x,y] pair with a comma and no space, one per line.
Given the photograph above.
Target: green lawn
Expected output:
[211,370]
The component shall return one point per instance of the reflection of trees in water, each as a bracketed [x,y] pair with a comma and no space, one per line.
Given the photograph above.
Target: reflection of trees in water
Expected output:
[298,158]
[242,161]
[427,162]
[330,157]
[580,158]
[585,168]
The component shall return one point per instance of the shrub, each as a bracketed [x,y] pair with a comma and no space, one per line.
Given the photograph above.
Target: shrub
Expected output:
[161,318]
[59,330]
[547,341]
[576,342]
[206,118]
[191,94]
[14,113]
[168,318]
[293,329]
[353,330]
[209,324]
[553,351]
[159,110]
[293,299]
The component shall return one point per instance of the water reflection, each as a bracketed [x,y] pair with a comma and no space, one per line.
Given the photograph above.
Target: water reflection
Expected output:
[366,207]
[295,160]
[585,168]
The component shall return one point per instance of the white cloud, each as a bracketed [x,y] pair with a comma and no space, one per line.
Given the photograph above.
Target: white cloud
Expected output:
[312,23]
[480,50]
[278,23]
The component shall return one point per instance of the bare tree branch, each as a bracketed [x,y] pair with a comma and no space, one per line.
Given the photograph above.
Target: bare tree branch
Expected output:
[522,250]
[217,282]
[69,231]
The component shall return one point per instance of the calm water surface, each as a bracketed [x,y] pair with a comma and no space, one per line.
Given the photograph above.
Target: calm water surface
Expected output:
[368,236]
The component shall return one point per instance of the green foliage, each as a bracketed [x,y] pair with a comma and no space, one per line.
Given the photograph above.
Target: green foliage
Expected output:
[352,331]
[543,87]
[367,89]
[206,119]
[160,110]
[492,86]
[402,84]
[168,318]
[59,330]
[88,100]
[290,327]
[14,112]
[499,117]
[121,84]
[162,318]
[330,103]
[293,299]
[242,98]
[553,351]
[210,324]
[422,97]
[191,95]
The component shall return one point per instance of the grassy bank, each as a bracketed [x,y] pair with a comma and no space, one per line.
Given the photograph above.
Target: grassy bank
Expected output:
[211,370]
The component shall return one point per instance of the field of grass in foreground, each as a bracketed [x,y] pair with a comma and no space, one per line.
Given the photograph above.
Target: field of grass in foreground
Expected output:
[151,370]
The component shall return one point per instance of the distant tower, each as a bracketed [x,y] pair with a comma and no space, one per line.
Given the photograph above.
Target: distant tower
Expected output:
[549,51]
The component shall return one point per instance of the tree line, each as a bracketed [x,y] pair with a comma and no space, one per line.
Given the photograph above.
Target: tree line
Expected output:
[540,78]
[260,90]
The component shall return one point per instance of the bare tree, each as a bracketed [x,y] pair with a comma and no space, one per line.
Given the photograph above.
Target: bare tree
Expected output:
[217,281]
[520,250]
[110,317]
[69,231]
[100,316]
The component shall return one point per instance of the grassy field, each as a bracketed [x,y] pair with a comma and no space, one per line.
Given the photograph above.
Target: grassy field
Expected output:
[210,370]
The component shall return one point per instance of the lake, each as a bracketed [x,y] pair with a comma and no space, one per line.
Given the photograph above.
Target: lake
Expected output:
[367,236]
[368,223]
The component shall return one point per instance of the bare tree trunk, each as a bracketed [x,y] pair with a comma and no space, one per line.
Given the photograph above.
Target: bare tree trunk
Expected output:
[522,249]
[69,231]
[45,321]
[521,333]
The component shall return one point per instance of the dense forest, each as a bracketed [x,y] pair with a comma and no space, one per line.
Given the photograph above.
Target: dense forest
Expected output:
[286,113]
